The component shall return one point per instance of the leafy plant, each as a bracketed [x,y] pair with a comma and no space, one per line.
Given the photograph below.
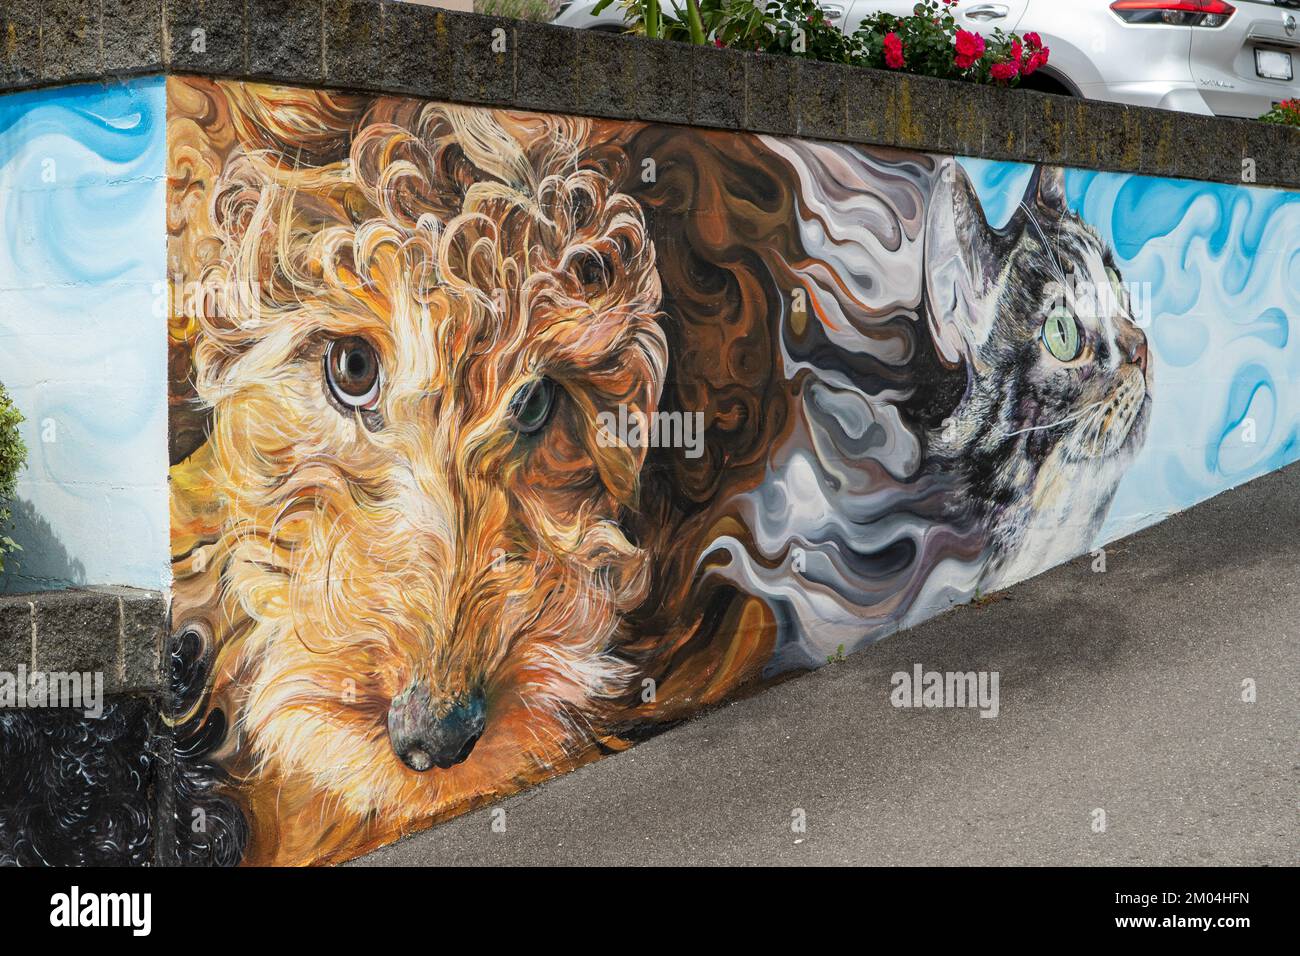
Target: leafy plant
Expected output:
[927,42]
[1286,113]
[641,16]
[800,28]
[538,10]
[13,455]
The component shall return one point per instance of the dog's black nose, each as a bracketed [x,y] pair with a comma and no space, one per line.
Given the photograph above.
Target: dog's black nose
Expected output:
[427,732]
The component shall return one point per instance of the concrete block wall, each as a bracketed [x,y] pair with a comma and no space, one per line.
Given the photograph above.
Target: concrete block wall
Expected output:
[118,632]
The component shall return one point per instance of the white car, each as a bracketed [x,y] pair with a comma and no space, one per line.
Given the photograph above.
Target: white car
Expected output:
[1226,57]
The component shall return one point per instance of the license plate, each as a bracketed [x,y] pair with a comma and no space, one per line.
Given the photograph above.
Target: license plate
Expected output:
[1274,65]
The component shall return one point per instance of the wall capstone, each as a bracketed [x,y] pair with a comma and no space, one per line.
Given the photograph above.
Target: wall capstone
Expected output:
[117,631]
[392,47]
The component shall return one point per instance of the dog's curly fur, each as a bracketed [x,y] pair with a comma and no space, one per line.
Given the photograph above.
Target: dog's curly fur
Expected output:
[341,558]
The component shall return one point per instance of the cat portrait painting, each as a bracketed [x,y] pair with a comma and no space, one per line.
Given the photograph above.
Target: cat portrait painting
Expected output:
[412,573]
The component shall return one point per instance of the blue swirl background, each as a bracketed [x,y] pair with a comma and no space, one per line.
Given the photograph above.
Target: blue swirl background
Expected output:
[1222,267]
[83,331]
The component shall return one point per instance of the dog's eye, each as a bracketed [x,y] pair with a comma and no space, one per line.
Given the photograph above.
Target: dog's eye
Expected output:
[531,406]
[352,371]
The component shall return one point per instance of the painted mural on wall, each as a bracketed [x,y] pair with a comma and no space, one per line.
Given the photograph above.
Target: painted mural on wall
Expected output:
[82,200]
[501,440]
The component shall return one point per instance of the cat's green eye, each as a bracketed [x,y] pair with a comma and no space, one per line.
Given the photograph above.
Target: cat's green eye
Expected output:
[531,406]
[1061,334]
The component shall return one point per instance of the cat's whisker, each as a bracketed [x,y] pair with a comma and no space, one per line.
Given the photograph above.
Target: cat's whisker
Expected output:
[1060,421]
[1054,262]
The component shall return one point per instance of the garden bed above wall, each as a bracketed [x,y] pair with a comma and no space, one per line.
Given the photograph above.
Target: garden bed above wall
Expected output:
[455,57]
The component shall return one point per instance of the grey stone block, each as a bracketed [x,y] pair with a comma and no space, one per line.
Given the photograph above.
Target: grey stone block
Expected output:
[206,36]
[1209,148]
[923,107]
[1290,146]
[133,36]
[822,99]
[70,35]
[285,40]
[605,77]
[144,634]
[1159,143]
[1103,135]
[965,125]
[871,100]
[1258,148]
[1276,151]
[718,81]
[415,50]
[20,42]
[353,32]
[1049,127]
[1003,119]
[483,57]
[78,630]
[15,633]
[546,61]
[661,93]
[770,89]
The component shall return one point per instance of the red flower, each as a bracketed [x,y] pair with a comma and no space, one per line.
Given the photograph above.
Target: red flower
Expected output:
[893,51]
[1036,59]
[970,47]
[1017,52]
[1004,71]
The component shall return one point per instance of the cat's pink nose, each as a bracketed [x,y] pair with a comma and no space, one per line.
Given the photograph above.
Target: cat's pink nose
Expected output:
[1139,355]
[1135,349]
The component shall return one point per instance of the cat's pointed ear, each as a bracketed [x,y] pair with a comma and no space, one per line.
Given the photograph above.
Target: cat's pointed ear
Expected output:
[963,260]
[1047,189]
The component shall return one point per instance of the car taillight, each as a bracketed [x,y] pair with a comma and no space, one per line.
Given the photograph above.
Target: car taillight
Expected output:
[1175,13]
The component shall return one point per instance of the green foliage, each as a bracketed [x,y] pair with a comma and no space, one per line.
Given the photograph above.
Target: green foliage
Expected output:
[928,42]
[540,10]
[800,28]
[13,455]
[774,27]
[642,16]
[1286,113]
